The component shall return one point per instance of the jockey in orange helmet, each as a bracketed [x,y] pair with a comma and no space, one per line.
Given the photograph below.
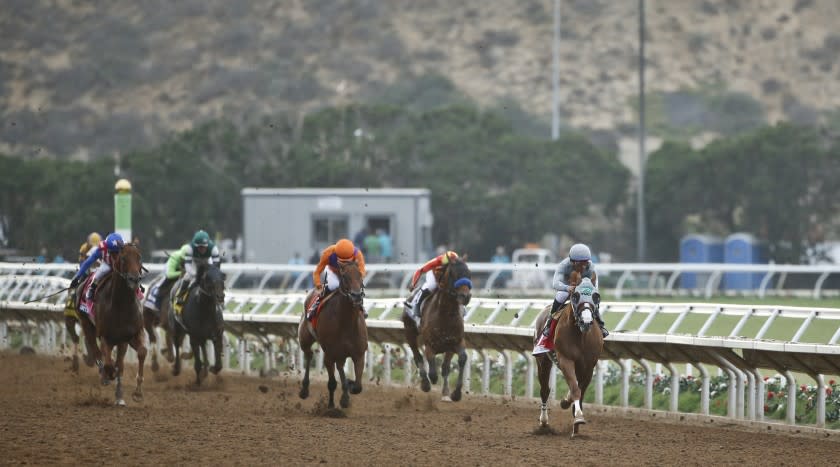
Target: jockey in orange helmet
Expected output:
[342,251]
[432,269]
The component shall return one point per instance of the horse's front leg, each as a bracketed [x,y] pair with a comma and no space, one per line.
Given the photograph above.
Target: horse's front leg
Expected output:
[218,347]
[329,364]
[430,358]
[345,394]
[197,348]
[544,366]
[137,344]
[358,370]
[118,391]
[149,326]
[177,340]
[444,375]
[462,362]
[306,340]
[567,366]
[106,368]
[425,385]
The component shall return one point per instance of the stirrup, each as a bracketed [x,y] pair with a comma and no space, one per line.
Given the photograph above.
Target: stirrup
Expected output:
[553,357]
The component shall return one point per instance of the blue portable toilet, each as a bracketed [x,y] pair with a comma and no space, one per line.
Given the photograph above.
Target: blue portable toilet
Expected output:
[743,248]
[699,248]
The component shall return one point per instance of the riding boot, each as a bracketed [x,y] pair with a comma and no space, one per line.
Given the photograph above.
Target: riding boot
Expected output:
[181,296]
[417,307]
[601,324]
[91,291]
[310,314]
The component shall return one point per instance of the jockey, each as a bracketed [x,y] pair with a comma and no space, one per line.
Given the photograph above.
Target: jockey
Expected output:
[432,269]
[93,239]
[342,251]
[174,269]
[200,251]
[579,260]
[106,251]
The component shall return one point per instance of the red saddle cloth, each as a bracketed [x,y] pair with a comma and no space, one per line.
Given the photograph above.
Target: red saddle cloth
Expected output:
[85,305]
[317,313]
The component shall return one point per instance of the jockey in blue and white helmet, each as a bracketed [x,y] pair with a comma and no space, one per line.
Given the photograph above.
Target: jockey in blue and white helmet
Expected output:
[106,252]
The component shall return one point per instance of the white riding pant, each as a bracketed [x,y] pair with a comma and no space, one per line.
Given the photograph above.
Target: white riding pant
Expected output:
[103,269]
[431,282]
[561,296]
[333,281]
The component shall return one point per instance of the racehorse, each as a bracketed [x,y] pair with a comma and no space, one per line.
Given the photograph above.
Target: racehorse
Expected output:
[576,350]
[158,318]
[442,329]
[202,320]
[341,333]
[119,322]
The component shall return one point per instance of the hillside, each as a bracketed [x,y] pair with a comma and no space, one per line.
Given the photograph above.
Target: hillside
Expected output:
[84,79]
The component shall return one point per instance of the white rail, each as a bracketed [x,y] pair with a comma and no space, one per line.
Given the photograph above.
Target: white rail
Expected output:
[622,279]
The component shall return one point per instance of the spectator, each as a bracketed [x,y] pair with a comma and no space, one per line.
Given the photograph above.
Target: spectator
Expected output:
[359,241]
[501,256]
[385,246]
[371,249]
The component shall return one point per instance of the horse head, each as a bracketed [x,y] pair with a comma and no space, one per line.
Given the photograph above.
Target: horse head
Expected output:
[129,265]
[456,282]
[350,282]
[211,282]
[585,300]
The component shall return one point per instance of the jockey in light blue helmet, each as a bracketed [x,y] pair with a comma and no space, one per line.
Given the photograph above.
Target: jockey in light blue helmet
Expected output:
[579,260]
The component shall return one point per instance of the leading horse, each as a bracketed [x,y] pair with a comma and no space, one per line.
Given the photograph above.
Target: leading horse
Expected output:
[442,329]
[341,332]
[119,322]
[202,320]
[577,349]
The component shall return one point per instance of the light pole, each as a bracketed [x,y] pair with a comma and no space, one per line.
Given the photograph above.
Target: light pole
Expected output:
[555,75]
[640,210]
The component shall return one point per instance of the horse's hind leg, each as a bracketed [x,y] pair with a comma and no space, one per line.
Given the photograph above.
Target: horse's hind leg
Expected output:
[345,394]
[462,362]
[430,357]
[70,326]
[137,344]
[149,325]
[118,391]
[306,347]
[178,339]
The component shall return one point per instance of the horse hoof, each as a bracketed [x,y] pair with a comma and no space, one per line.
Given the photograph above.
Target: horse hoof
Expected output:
[75,365]
[304,393]
[433,378]
[137,397]
[564,404]
[355,388]
[446,399]
[456,395]
[216,369]
[580,421]
[425,385]
[345,401]
[176,371]
[120,403]
[155,366]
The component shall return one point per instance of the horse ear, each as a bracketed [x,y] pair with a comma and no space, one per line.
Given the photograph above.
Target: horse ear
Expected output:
[596,297]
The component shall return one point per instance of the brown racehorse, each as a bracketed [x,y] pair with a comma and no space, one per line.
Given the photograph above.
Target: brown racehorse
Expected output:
[159,318]
[442,329]
[342,334]
[119,322]
[577,348]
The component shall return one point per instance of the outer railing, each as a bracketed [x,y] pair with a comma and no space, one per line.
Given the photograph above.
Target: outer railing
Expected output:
[621,279]
[733,338]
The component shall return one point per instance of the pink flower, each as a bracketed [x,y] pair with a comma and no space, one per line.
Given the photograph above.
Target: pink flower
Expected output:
[766,378]
[803,388]
[766,408]
[770,394]
[831,382]
[828,391]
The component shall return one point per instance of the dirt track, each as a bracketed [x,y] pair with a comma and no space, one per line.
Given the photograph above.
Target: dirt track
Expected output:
[48,415]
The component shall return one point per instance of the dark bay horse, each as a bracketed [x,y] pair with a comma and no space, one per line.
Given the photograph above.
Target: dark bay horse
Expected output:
[202,320]
[153,318]
[442,328]
[119,322]
[342,334]
[576,347]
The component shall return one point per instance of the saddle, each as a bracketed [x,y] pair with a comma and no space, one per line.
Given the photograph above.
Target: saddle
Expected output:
[312,323]
[85,306]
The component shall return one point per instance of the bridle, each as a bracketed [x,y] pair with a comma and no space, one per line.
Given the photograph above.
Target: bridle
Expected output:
[357,298]
[451,285]
[132,279]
